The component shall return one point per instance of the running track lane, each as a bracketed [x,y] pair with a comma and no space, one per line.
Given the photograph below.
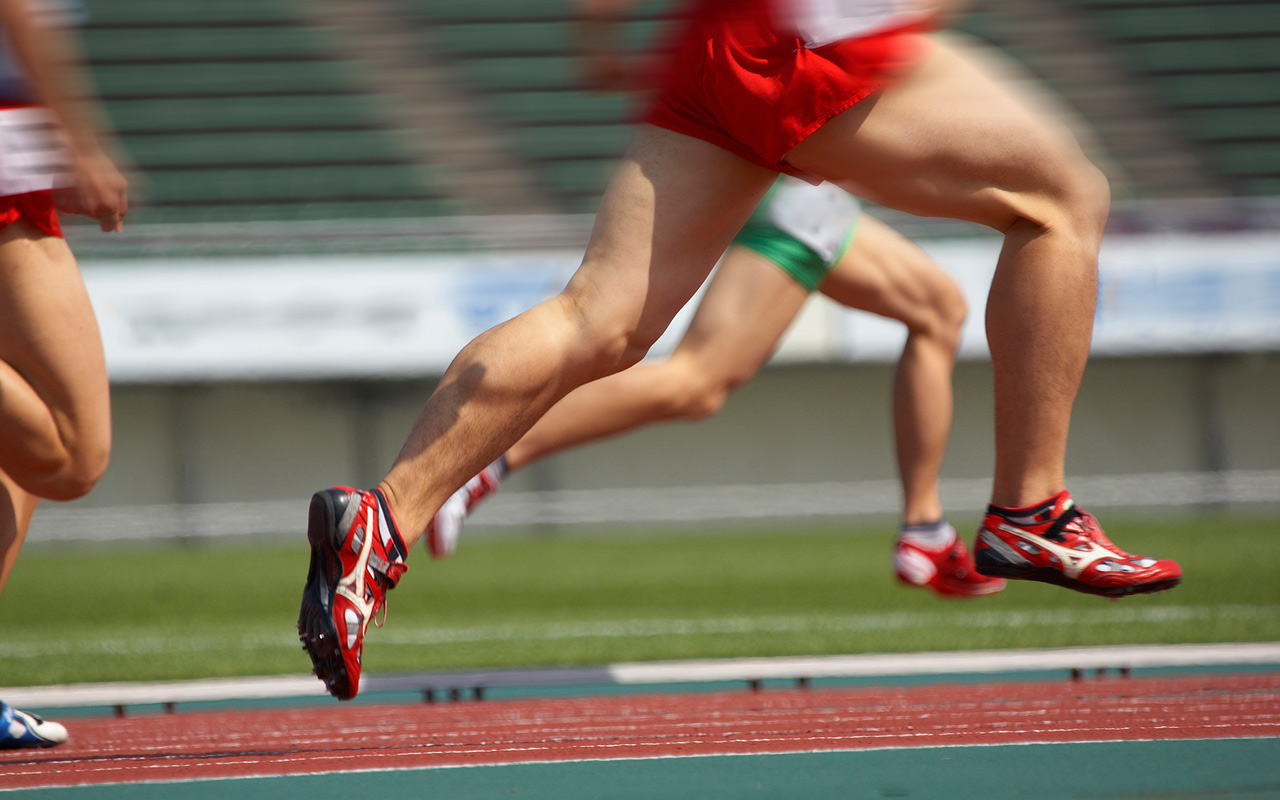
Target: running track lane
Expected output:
[208,745]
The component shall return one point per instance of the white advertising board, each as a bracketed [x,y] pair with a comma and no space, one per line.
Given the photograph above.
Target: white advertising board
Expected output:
[1156,294]
[397,316]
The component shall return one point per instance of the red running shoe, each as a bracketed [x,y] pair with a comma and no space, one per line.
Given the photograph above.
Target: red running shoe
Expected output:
[1061,544]
[948,572]
[356,556]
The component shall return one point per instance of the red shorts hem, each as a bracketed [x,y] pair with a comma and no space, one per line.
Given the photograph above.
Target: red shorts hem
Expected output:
[831,114]
[35,207]
[760,93]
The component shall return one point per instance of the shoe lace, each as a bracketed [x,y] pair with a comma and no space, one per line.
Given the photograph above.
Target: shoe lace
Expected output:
[1086,526]
[387,580]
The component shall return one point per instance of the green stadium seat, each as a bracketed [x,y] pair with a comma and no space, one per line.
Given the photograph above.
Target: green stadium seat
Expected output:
[260,148]
[1190,22]
[564,107]
[297,210]
[1235,124]
[282,184]
[236,79]
[151,12]
[150,115]
[1236,89]
[202,43]
[504,73]
[1209,55]
[1250,158]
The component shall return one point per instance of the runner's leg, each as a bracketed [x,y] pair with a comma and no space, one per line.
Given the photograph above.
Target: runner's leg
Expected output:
[748,305]
[949,141]
[885,274]
[55,416]
[16,508]
[669,213]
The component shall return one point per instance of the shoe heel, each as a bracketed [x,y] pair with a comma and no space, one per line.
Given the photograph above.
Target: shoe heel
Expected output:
[993,566]
[327,507]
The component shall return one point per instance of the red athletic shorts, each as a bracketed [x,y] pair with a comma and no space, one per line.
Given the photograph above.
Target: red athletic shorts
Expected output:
[737,79]
[35,207]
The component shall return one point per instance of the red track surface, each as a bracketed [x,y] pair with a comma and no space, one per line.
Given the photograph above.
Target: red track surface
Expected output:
[205,745]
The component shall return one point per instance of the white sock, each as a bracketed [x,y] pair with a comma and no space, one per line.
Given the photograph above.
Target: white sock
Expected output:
[930,536]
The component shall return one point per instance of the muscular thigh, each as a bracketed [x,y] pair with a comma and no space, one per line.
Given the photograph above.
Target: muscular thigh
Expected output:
[949,140]
[670,211]
[48,333]
[886,274]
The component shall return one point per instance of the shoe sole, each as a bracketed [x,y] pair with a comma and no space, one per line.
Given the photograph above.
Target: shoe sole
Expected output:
[945,594]
[29,744]
[1050,575]
[316,629]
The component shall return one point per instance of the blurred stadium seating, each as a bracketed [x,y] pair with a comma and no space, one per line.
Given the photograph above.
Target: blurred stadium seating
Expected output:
[250,109]
[239,110]
[1213,68]
[516,56]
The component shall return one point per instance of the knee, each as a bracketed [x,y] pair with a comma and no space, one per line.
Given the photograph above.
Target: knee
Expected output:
[704,404]
[698,394]
[603,343]
[941,313]
[1079,198]
[75,474]
[613,348]
[1090,193]
[951,310]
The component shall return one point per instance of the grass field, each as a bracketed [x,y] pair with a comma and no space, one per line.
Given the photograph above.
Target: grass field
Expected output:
[173,611]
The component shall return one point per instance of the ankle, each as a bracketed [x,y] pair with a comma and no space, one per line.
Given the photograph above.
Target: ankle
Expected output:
[931,536]
[396,548]
[1044,510]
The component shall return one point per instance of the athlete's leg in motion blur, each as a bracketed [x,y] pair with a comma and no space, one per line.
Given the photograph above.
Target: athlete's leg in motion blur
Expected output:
[747,307]
[897,280]
[948,141]
[951,141]
[885,274]
[55,419]
[670,211]
[55,422]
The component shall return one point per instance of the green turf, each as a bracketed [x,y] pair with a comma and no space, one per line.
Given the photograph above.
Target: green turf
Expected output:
[168,612]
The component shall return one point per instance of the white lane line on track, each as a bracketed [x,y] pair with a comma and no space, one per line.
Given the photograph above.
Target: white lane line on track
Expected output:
[656,673]
[536,632]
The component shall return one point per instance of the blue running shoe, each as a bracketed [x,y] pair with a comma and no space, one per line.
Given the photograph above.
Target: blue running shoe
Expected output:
[19,729]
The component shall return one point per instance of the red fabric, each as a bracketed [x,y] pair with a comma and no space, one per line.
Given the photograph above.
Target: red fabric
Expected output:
[35,207]
[738,79]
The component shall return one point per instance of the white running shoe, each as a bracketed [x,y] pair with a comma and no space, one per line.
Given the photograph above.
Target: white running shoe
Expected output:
[19,729]
[446,525]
